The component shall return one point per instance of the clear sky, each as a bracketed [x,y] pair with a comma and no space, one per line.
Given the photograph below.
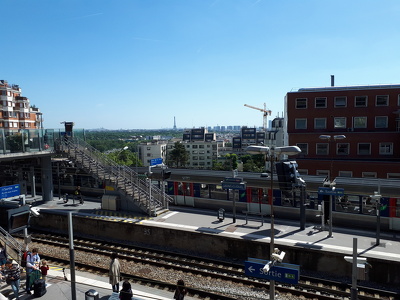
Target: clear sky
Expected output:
[137,64]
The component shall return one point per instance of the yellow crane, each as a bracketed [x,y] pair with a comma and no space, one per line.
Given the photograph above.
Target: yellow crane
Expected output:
[265,111]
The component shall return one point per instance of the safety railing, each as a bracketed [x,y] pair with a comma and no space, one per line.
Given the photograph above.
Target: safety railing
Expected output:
[145,195]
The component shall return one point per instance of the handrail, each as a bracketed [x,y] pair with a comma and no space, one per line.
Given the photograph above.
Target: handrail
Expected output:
[14,243]
[123,177]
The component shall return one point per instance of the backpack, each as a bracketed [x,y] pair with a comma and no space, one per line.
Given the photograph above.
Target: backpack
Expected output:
[25,258]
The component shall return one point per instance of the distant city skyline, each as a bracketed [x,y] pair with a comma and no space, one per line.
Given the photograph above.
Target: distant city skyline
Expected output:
[139,64]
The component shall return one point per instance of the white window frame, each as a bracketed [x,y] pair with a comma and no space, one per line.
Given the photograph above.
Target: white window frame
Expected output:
[357,124]
[300,106]
[321,146]
[324,99]
[345,173]
[339,122]
[319,119]
[368,175]
[381,98]
[300,120]
[355,101]
[383,117]
[341,152]
[301,148]
[386,148]
[393,175]
[358,149]
[340,98]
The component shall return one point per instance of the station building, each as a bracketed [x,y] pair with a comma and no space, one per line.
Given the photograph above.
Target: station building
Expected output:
[346,131]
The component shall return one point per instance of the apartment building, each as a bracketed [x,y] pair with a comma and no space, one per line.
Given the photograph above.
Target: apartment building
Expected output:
[202,147]
[152,150]
[16,112]
[351,131]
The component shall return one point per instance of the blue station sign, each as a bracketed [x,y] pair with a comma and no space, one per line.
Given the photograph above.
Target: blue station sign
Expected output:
[155,161]
[9,191]
[330,191]
[233,186]
[286,273]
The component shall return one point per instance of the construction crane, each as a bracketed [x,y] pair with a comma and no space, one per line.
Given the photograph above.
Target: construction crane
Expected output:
[265,114]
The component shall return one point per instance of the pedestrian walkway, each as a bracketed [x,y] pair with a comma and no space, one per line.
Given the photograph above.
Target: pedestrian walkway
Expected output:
[59,289]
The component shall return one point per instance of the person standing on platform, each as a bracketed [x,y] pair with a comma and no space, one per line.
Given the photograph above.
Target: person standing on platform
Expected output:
[114,272]
[3,255]
[126,292]
[180,290]
[12,274]
[32,264]
[43,269]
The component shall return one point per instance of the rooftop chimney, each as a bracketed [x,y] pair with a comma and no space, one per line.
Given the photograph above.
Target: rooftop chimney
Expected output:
[332,80]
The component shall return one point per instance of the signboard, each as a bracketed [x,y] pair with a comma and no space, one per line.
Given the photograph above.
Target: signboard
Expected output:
[233,179]
[286,273]
[156,161]
[233,185]
[330,191]
[9,191]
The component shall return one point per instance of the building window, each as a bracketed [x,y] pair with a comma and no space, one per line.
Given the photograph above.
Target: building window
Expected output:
[364,148]
[381,122]
[194,146]
[340,122]
[386,148]
[382,100]
[393,175]
[343,148]
[303,147]
[398,100]
[301,103]
[340,101]
[320,123]
[322,173]
[360,101]
[320,102]
[301,123]
[360,122]
[368,175]
[345,174]
[322,149]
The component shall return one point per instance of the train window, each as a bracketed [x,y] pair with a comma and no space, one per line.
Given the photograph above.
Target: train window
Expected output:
[216,192]
[348,203]
[369,205]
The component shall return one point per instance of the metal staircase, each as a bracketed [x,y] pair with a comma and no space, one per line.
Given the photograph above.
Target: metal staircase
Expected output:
[14,248]
[140,192]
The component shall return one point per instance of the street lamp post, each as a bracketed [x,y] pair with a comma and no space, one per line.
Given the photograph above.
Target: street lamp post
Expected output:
[330,178]
[272,154]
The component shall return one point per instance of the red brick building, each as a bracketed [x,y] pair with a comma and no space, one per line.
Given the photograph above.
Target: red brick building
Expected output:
[361,125]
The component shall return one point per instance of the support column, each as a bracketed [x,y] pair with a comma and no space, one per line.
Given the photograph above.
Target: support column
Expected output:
[47,178]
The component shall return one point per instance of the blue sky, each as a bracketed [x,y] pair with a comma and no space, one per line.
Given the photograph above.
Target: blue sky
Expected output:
[137,64]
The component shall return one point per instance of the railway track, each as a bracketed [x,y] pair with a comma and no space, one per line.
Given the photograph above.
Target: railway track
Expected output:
[200,267]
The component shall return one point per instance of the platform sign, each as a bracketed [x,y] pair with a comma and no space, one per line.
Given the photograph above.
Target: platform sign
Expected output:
[9,191]
[330,191]
[156,161]
[233,185]
[233,179]
[286,273]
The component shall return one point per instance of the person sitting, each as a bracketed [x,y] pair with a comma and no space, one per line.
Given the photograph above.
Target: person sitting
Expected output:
[126,292]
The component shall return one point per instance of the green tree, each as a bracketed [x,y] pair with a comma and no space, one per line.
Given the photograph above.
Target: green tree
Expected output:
[178,156]
[126,158]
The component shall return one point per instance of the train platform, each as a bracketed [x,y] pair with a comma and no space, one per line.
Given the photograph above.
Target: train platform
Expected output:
[254,227]
[59,288]
[287,233]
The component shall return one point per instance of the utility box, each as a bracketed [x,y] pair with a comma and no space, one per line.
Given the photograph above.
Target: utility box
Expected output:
[110,202]
[91,295]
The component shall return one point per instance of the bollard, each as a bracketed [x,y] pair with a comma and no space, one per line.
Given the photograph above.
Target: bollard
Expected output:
[91,295]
